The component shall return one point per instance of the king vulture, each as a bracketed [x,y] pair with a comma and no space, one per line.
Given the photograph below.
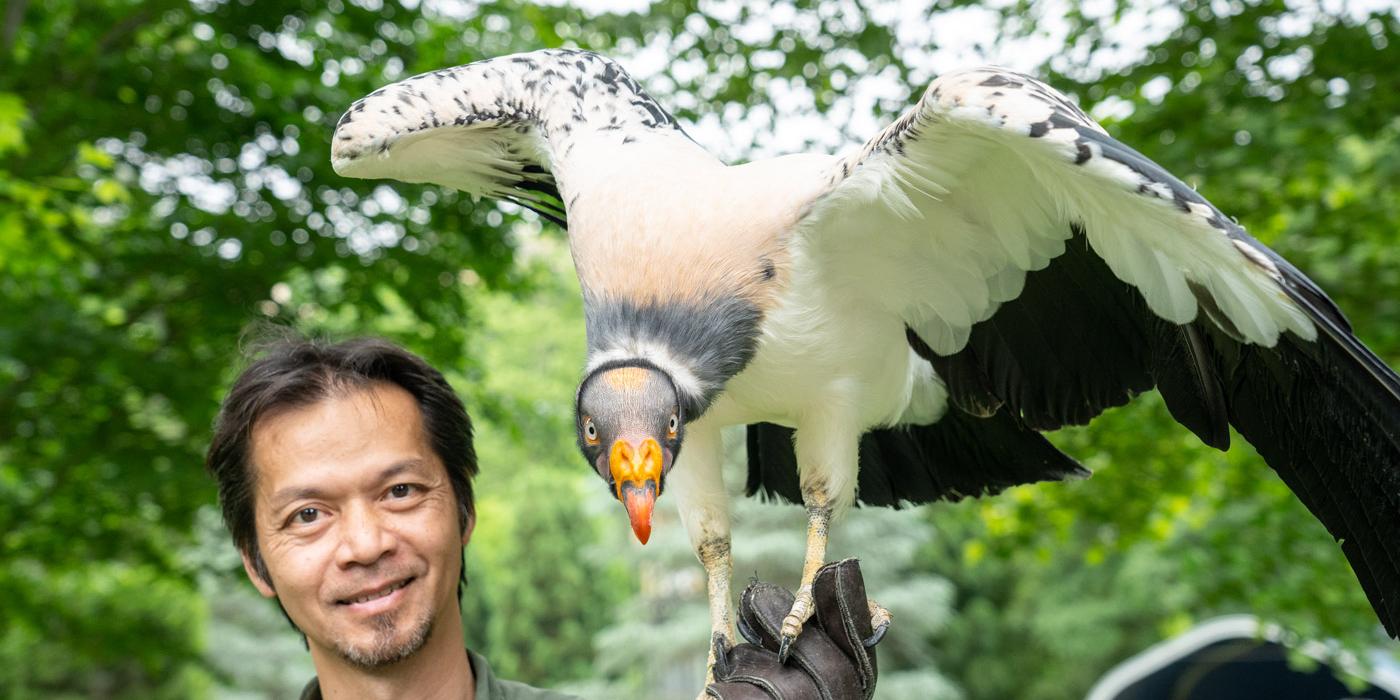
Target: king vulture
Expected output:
[897,324]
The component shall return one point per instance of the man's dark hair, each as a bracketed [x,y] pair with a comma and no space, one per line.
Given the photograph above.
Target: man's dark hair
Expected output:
[294,372]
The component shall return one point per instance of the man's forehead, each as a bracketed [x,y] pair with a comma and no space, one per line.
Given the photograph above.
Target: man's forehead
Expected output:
[347,435]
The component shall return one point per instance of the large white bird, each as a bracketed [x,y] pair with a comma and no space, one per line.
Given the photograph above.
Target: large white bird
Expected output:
[896,324]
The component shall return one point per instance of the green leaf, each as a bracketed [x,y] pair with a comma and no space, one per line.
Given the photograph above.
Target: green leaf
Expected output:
[91,155]
[108,191]
[13,120]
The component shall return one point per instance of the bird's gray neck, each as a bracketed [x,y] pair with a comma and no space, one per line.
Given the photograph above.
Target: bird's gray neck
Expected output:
[700,345]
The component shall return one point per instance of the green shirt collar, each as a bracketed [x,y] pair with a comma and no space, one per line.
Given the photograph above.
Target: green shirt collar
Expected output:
[488,686]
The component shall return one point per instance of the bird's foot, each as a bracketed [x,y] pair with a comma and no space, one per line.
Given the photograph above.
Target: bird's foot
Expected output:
[879,621]
[714,554]
[718,663]
[802,608]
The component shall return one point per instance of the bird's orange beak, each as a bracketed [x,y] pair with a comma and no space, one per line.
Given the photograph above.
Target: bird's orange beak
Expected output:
[636,471]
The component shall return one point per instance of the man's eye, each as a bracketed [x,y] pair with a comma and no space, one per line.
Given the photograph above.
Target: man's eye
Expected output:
[306,515]
[401,490]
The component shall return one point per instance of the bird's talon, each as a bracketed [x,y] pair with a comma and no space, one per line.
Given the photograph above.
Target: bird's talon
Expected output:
[877,635]
[719,658]
[785,647]
[879,620]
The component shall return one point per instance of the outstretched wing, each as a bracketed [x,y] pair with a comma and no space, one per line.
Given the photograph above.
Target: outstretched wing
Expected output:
[1049,272]
[503,127]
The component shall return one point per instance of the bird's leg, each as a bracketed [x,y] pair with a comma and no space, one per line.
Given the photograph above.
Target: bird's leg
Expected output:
[719,567]
[826,445]
[698,483]
[818,519]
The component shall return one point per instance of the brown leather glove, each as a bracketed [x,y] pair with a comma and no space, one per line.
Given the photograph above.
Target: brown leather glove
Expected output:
[833,658]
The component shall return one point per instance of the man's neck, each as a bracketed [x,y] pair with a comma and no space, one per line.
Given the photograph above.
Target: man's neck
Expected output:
[440,670]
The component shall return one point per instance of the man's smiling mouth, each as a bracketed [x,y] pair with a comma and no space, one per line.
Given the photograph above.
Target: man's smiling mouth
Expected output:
[376,594]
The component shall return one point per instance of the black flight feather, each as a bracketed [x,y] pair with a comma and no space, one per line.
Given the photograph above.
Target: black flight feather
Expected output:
[1325,414]
[1316,414]
[961,455]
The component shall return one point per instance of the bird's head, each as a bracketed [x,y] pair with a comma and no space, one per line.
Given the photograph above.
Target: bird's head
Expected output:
[630,425]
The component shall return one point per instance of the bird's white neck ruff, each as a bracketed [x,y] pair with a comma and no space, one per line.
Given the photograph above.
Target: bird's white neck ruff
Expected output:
[657,354]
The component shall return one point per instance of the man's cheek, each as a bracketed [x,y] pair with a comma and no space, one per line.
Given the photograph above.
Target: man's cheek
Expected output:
[302,572]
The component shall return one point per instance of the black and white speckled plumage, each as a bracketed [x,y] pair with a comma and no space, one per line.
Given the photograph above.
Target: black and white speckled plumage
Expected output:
[532,103]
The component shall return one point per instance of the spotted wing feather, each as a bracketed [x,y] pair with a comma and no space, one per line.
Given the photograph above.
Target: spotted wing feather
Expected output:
[503,127]
[1047,270]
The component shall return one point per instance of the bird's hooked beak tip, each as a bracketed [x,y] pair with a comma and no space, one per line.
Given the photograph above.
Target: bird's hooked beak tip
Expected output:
[639,501]
[636,469]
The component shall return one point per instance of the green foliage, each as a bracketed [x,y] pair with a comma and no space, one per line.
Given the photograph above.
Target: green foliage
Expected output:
[93,620]
[534,601]
[166,168]
[165,184]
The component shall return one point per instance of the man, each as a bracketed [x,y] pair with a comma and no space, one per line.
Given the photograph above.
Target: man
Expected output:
[345,477]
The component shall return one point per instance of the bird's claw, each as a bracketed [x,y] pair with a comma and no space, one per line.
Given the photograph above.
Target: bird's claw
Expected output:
[802,607]
[720,646]
[879,620]
[785,648]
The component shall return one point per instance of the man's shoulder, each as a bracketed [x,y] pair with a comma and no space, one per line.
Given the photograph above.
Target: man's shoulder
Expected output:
[489,687]
[512,690]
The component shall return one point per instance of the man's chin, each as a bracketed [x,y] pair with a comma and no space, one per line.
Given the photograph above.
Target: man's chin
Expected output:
[384,640]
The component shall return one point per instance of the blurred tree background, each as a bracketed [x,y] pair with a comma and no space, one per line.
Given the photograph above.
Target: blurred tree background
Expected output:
[165,186]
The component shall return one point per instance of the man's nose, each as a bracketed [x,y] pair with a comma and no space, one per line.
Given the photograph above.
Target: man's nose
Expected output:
[365,537]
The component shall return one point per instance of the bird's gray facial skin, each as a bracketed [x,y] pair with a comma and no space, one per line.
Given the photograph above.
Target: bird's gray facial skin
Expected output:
[630,430]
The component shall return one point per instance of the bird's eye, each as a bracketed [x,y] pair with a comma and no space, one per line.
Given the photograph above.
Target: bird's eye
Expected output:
[673,425]
[590,432]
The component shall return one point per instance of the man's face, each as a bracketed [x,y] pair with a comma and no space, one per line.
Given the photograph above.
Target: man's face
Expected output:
[357,524]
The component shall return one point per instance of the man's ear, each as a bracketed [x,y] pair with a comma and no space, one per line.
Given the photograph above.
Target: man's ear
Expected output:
[471,525]
[250,567]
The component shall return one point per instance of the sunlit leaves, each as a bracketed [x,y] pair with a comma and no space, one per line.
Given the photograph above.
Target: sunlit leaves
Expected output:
[12,118]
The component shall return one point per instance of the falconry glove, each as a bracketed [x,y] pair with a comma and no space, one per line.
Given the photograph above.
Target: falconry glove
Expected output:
[833,659]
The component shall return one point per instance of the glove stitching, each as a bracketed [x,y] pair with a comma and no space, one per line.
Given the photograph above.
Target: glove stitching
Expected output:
[758,681]
[848,623]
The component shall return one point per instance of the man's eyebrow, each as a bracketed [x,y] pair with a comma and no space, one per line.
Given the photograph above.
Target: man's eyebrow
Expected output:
[289,494]
[398,468]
